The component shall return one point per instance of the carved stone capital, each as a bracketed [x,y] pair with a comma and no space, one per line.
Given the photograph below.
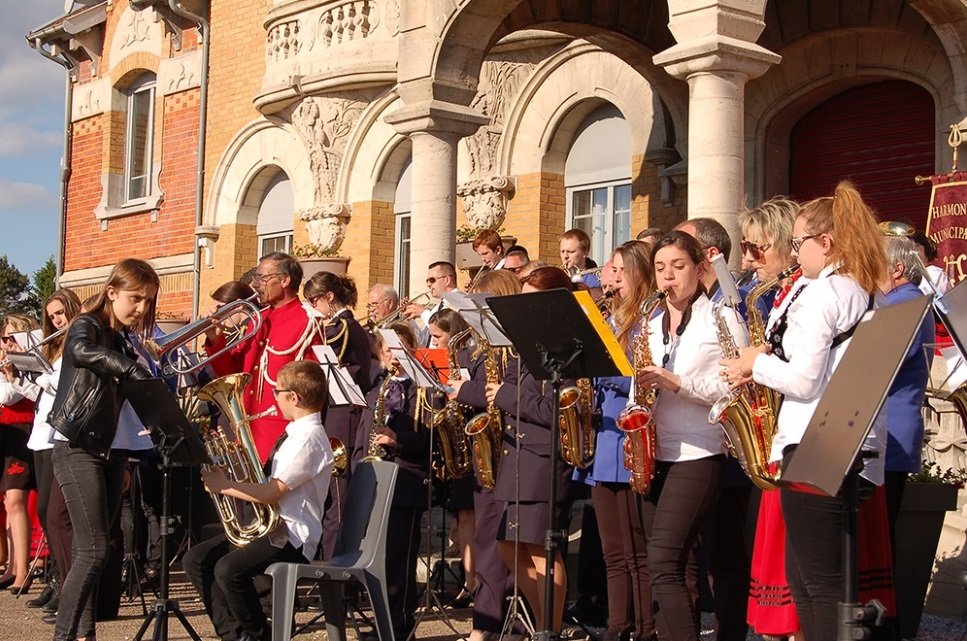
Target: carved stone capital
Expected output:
[326,224]
[485,200]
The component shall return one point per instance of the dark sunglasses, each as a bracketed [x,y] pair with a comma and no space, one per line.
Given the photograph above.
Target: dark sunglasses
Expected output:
[754,250]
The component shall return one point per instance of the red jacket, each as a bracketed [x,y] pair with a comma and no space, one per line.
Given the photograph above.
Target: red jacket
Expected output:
[288,334]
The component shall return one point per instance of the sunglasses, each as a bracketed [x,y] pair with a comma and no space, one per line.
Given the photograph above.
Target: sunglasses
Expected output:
[797,241]
[754,250]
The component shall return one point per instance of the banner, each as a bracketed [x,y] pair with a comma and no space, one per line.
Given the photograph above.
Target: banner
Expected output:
[947,223]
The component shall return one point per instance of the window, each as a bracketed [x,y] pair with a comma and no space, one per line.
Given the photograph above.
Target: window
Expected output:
[269,244]
[401,207]
[597,178]
[275,218]
[139,138]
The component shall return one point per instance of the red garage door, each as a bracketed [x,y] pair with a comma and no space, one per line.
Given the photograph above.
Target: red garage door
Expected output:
[879,136]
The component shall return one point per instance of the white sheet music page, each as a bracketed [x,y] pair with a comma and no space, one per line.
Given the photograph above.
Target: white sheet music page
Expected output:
[473,308]
[343,390]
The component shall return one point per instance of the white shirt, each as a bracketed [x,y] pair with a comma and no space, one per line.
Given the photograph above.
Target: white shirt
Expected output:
[304,463]
[42,434]
[684,433]
[827,307]
[939,279]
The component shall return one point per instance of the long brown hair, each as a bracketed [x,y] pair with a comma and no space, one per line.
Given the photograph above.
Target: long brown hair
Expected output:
[857,243]
[638,268]
[72,307]
[129,274]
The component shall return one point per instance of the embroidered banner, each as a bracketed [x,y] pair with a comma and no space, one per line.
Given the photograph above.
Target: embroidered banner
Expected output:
[947,223]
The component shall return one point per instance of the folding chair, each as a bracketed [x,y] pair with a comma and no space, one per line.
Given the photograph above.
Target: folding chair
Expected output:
[359,557]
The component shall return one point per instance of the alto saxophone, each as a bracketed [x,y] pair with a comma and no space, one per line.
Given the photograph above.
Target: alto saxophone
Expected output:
[577,430]
[375,451]
[637,420]
[486,428]
[748,413]
[448,424]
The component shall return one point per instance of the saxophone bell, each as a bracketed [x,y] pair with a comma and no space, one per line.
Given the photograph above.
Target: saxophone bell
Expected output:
[577,431]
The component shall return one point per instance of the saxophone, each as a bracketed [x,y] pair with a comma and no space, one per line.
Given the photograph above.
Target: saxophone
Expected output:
[636,420]
[239,459]
[748,413]
[577,430]
[486,428]
[374,451]
[448,424]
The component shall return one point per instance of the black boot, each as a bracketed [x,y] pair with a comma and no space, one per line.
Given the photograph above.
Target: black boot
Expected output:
[45,596]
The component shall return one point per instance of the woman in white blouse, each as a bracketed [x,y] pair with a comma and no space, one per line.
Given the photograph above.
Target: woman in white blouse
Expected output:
[691,452]
[838,245]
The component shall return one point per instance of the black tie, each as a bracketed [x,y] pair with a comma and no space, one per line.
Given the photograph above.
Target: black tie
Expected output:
[267,468]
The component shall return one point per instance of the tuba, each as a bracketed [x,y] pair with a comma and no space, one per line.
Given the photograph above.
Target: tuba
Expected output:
[448,424]
[486,428]
[748,413]
[637,420]
[239,459]
[577,431]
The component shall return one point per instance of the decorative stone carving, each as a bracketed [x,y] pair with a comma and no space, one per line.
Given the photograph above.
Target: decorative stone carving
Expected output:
[283,41]
[391,17]
[136,27]
[324,123]
[326,225]
[485,200]
[90,99]
[345,22]
[500,82]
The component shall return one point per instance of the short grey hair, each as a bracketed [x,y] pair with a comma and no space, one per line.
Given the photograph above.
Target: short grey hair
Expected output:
[903,251]
[386,291]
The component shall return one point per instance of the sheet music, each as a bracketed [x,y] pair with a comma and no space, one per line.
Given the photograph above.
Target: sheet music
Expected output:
[30,362]
[730,293]
[410,365]
[343,390]
[30,339]
[473,308]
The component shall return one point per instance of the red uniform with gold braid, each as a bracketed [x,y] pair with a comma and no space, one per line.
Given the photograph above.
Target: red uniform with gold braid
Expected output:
[287,334]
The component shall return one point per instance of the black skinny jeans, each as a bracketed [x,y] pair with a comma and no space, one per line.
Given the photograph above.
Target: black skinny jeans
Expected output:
[44,474]
[683,495]
[92,491]
[625,559]
[224,576]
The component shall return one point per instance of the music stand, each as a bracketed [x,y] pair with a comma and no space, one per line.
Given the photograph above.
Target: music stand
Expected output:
[555,338]
[177,441]
[828,457]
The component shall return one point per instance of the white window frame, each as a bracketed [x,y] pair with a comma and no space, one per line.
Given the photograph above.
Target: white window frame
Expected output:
[403,266]
[287,245]
[601,248]
[146,84]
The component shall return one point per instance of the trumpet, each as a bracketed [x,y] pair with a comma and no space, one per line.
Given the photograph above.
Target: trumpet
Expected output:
[396,313]
[578,274]
[164,349]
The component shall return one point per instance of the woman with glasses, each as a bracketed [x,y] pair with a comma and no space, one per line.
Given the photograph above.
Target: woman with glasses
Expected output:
[16,418]
[767,248]
[333,298]
[837,243]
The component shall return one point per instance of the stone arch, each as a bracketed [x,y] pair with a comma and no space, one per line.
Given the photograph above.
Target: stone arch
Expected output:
[949,23]
[372,145]
[811,73]
[261,144]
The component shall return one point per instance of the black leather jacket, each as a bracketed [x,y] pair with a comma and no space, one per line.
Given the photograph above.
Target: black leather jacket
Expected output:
[88,403]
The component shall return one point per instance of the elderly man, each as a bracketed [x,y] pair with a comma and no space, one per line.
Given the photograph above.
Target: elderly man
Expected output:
[383,301]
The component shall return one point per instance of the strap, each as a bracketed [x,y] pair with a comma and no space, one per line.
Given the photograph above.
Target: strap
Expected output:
[845,336]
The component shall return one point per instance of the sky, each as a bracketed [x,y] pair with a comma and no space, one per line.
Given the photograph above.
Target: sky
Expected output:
[31,138]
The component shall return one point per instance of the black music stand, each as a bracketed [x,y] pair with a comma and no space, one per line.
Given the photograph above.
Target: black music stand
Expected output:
[829,458]
[177,442]
[555,339]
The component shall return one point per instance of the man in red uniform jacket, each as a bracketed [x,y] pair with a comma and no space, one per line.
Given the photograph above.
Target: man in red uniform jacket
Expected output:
[287,334]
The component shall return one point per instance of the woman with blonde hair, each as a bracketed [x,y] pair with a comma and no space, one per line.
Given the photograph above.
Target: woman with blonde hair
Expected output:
[838,245]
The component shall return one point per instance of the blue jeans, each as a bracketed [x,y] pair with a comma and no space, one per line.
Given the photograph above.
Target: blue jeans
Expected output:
[92,489]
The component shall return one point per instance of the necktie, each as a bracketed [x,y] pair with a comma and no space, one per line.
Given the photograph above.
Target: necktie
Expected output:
[267,468]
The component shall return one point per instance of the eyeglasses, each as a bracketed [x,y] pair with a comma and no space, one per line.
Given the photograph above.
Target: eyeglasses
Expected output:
[431,279]
[514,270]
[312,300]
[797,241]
[278,390]
[261,278]
[8,339]
[376,304]
[756,251]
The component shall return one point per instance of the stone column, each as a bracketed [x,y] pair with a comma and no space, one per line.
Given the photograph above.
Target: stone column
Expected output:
[434,128]
[717,55]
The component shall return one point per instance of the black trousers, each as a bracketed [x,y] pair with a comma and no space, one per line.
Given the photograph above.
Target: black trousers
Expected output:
[224,577]
[683,495]
[730,562]
[625,559]
[44,473]
[402,553]
[494,581]
[92,490]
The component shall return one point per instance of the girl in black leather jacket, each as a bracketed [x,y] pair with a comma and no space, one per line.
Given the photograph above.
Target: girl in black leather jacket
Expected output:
[97,357]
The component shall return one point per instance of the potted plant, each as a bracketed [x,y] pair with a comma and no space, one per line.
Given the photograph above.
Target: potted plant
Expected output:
[170,321]
[315,258]
[927,497]
[466,257]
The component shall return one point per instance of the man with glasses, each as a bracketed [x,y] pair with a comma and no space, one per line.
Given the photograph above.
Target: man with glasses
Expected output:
[441,277]
[517,259]
[381,302]
[286,334]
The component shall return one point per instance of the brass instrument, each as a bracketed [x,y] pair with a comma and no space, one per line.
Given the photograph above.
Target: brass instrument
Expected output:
[637,420]
[605,301]
[374,451]
[164,350]
[577,274]
[396,313]
[448,424]
[748,413]
[238,458]
[340,457]
[476,277]
[486,428]
[577,431]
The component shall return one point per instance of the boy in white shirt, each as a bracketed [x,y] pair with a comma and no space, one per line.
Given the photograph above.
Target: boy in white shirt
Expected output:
[298,482]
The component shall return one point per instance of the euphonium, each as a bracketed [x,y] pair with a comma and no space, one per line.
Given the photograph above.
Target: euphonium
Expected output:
[485,428]
[340,458]
[636,420]
[375,451]
[577,431]
[748,413]
[448,424]
[238,458]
